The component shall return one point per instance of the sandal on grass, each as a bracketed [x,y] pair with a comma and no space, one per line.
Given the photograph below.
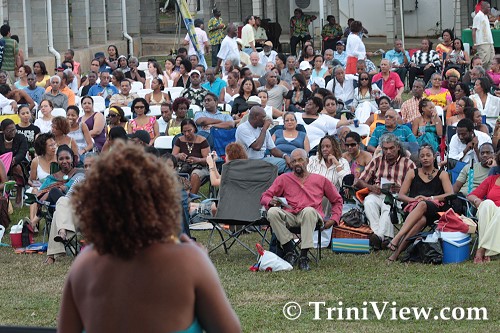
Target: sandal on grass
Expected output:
[392,247]
[49,261]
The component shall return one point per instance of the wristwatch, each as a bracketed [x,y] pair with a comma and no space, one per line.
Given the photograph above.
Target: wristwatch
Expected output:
[284,154]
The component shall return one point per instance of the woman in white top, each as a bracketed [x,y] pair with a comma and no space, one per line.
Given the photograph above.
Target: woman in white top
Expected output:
[45,149]
[365,96]
[488,104]
[45,123]
[154,71]
[329,161]
[355,49]
[271,112]
[231,91]
[169,73]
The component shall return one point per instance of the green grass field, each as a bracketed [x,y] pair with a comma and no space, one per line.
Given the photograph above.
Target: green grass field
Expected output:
[30,291]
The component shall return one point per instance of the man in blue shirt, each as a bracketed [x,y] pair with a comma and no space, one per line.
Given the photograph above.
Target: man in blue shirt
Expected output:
[103,67]
[403,132]
[34,91]
[339,53]
[104,88]
[213,84]
[399,58]
[210,116]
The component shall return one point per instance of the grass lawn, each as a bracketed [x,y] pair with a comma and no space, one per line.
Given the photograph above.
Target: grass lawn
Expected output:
[30,291]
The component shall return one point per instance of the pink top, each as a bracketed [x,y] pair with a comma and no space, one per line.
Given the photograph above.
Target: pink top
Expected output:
[487,189]
[309,194]
[149,127]
[495,77]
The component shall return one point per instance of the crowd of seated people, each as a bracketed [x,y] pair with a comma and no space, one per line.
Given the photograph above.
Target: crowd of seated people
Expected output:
[308,102]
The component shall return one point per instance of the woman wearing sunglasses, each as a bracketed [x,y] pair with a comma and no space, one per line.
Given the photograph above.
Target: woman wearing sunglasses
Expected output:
[358,158]
[116,117]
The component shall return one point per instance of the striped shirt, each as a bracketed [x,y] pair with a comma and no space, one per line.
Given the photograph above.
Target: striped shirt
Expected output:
[319,167]
[379,167]
[409,110]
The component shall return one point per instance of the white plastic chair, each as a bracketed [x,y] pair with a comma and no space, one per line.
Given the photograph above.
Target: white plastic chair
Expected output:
[154,110]
[8,108]
[195,108]
[143,66]
[363,130]
[136,86]
[127,111]
[99,103]
[174,92]
[225,108]
[143,92]
[78,100]
[58,112]
[164,142]
[440,113]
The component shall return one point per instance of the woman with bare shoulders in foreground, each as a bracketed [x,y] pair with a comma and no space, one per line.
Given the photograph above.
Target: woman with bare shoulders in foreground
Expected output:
[137,276]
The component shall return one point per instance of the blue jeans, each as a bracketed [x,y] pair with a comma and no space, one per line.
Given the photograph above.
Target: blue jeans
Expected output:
[248,50]
[279,162]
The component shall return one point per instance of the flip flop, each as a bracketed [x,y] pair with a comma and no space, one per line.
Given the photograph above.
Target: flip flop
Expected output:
[478,260]
[392,247]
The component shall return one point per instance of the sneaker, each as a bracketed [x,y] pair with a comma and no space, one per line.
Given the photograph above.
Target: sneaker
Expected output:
[291,258]
[304,264]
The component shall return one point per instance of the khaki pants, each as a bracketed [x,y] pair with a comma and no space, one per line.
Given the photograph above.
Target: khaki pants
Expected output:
[63,219]
[306,219]
[486,52]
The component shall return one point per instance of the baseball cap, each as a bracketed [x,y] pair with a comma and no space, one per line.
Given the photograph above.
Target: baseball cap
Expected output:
[340,43]
[99,55]
[305,65]
[268,43]
[141,135]
[254,100]
[194,71]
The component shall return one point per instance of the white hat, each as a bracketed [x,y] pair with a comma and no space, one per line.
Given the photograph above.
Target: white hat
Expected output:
[254,100]
[194,71]
[305,65]
[319,81]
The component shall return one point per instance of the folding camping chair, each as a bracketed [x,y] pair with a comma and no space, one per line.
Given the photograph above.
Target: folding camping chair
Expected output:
[242,185]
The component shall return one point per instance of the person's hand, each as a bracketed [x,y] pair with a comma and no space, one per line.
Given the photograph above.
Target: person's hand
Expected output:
[210,161]
[427,66]
[374,189]
[274,203]
[101,93]
[397,99]
[192,159]
[328,224]
[491,162]
[395,188]
[475,142]
[267,124]
[288,161]
[332,160]
[420,198]
[182,156]
[412,64]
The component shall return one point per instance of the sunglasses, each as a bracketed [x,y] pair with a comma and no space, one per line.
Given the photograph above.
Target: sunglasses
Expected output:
[113,115]
[364,79]
[352,145]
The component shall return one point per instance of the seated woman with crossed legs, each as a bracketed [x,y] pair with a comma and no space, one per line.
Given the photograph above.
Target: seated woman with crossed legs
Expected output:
[424,190]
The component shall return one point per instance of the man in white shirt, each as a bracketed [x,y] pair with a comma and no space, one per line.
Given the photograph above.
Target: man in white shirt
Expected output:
[259,32]
[255,137]
[464,145]
[342,86]
[201,36]
[247,36]
[229,48]
[268,54]
[482,36]
[164,120]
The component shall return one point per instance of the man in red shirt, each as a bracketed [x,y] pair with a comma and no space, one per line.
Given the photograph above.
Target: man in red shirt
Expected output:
[304,193]
[391,83]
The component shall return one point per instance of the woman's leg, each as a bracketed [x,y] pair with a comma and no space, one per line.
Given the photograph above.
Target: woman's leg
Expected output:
[17,173]
[195,183]
[414,216]
[417,227]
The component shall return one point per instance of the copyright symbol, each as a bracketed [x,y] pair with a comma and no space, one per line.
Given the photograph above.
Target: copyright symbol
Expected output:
[292,310]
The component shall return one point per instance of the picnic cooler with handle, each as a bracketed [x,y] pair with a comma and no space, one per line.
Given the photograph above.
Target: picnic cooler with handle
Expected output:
[347,239]
[18,238]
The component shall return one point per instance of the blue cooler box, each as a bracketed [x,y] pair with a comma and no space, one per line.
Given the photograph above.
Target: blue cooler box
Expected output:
[350,245]
[455,251]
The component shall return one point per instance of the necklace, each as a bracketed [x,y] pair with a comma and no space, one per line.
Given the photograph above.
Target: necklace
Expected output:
[189,147]
[8,141]
[429,174]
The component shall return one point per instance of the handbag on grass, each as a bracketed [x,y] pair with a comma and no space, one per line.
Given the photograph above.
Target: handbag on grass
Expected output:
[354,218]
[269,262]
